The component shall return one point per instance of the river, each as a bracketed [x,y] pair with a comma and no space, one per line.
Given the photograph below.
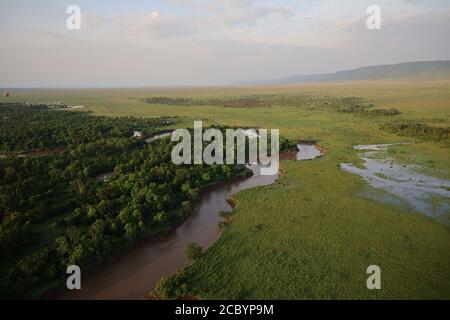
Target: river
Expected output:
[138,270]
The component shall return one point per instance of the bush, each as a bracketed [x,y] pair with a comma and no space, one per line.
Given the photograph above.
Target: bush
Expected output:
[418,130]
[193,251]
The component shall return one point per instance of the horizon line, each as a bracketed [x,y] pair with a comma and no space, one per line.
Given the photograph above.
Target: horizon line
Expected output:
[234,84]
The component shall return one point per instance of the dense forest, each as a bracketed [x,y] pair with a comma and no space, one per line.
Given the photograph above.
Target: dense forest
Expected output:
[55,209]
[24,127]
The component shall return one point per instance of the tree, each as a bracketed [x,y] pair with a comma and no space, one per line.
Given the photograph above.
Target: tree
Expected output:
[193,194]
[131,230]
[160,218]
[62,246]
[187,207]
[97,229]
[193,251]
[73,235]
[10,174]
[206,177]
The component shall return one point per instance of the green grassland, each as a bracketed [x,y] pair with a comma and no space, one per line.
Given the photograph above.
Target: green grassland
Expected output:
[311,234]
[310,237]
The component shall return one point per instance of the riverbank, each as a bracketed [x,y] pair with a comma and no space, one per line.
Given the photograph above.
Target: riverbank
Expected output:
[139,269]
[99,282]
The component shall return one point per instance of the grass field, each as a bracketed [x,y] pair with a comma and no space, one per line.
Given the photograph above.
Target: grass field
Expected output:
[312,234]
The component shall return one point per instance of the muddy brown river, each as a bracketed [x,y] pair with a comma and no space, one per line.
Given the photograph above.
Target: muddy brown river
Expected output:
[138,270]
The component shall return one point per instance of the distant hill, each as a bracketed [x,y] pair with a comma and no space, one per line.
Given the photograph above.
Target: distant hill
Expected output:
[432,70]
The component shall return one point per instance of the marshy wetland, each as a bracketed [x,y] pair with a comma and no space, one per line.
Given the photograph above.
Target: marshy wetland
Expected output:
[401,184]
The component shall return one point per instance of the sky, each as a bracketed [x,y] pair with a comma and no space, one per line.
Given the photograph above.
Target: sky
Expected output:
[209,42]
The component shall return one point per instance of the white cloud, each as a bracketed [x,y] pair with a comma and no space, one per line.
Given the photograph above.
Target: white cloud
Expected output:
[214,42]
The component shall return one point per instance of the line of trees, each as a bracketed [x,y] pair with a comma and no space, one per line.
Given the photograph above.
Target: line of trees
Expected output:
[25,127]
[418,130]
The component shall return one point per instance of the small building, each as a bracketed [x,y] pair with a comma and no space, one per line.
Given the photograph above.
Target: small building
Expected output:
[137,134]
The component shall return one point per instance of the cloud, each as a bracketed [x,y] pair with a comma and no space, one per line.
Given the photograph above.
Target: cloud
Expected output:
[157,25]
[181,2]
[206,18]
[252,15]
[214,42]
